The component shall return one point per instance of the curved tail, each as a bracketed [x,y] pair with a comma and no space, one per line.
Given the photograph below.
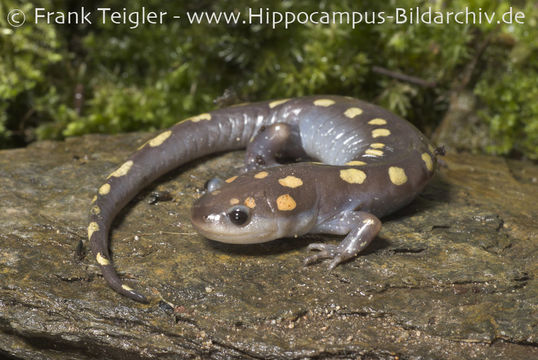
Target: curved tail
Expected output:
[221,130]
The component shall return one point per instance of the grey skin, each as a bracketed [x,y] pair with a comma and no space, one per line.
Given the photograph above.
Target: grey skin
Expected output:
[391,162]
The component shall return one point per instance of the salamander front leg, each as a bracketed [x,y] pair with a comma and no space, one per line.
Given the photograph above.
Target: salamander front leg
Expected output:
[272,143]
[360,227]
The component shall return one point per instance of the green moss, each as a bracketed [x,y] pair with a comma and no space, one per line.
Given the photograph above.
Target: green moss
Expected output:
[512,111]
[25,54]
[67,80]
[509,88]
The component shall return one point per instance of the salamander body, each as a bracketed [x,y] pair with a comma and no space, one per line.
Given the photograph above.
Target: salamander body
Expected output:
[359,162]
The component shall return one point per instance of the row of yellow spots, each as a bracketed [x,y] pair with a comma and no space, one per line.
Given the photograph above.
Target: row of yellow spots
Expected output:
[284,202]
[249,202]
[355,176]
[101,260]
[397,175]
[105,190]
[92,228]
[375,148]
[351,113]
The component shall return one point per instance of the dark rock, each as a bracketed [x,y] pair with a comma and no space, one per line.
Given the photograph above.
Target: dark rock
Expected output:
[453,275]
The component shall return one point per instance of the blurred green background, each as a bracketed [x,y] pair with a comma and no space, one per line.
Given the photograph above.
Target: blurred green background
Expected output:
[65,80]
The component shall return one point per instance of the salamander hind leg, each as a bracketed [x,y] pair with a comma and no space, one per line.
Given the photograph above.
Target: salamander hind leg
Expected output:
[361,228]
[273,143]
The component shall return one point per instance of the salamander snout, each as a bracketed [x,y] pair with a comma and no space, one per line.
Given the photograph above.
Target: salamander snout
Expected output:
[225,216]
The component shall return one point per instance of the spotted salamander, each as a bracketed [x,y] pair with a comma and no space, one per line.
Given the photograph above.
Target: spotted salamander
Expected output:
[359,162]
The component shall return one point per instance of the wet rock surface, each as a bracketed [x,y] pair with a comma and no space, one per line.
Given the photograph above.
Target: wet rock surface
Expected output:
[451,276]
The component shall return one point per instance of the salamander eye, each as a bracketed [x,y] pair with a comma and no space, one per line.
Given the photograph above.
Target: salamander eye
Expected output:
[239,215]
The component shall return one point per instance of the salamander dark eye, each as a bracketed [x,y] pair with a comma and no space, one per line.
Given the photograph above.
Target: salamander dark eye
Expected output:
[239,215]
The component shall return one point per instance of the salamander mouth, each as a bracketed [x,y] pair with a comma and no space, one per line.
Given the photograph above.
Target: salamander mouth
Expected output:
[244,237]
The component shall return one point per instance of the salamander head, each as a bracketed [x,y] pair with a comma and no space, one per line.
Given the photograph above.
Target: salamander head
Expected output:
[249,209]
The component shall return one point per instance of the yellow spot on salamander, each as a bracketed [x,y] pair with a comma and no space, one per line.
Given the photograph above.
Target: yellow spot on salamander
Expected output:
[231,179]
[216,192]
[94,199]
[374,152]
[126,287]
[428,161]
[377,121]
[355,163]
[95,210]
[285,203]
[324,102]
[122,170]
[290,181]
[380,132]
[353,176]
[261,175]
[250,202]
[352,112]
[159,139]
[431,148]
[397,175]
[204,116]
[234,201]
[377,145]
[105,189]
[93,227]
[275,103]
[102,260]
